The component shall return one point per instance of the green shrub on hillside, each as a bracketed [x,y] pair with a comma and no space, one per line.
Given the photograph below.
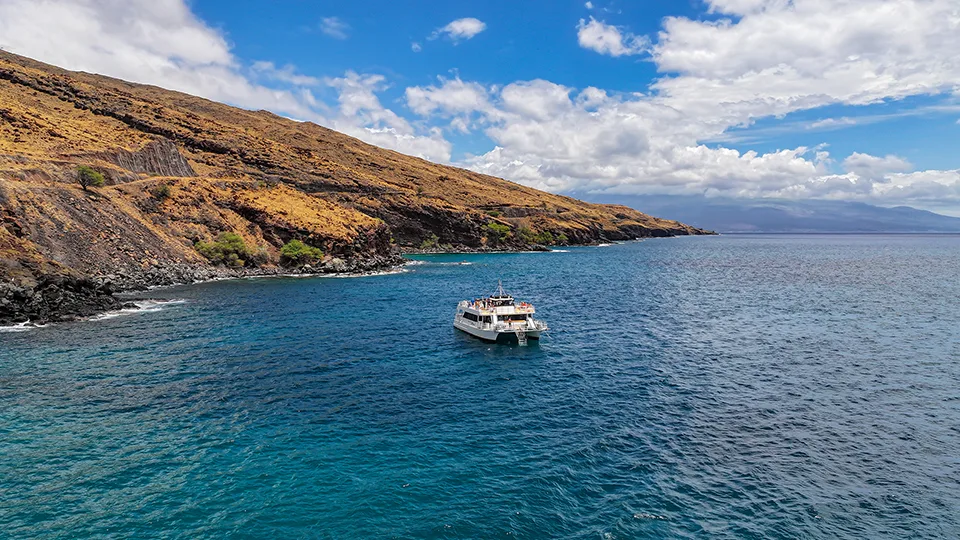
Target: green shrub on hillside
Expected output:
[162,192]
[431,242]
[544,238]
[496,233]
[259,256]
[229,249]
[296,252]
[88,177]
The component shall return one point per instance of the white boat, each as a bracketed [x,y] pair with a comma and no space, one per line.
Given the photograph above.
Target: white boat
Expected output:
[499,317]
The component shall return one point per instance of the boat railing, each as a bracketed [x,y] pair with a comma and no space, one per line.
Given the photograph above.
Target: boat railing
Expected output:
[520,325]
[497,310]
[503,326]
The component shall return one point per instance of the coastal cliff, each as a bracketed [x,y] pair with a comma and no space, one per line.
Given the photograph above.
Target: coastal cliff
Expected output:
[180,172]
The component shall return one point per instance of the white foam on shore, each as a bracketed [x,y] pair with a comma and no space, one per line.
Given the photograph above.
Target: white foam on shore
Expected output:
[390,272]
[434,263]
[143,306]
[198,282]
[559,251]
[149,306]
[271,276]
[396,270]
[20,327]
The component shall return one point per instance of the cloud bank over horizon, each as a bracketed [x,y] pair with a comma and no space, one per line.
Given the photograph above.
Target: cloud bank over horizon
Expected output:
[745,61]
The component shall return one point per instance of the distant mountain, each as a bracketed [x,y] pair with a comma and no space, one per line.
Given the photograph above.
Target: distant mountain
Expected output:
[786,216]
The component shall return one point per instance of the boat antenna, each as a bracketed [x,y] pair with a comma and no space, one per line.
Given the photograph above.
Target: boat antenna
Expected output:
[500,291]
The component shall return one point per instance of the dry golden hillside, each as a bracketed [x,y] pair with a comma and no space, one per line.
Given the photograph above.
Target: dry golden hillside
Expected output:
[181,170]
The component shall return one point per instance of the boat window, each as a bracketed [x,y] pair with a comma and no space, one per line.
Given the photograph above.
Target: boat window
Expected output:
[517,317]
[470,316]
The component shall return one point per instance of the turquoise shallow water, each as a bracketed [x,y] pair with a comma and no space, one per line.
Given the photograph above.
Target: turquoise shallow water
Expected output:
[731,387]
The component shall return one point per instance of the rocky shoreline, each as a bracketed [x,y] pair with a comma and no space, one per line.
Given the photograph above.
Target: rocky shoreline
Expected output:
[55,298]
[179,174]
[64,297]
[464,250]
[61,298]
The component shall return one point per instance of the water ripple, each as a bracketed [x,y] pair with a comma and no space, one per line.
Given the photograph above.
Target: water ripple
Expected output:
[774,387]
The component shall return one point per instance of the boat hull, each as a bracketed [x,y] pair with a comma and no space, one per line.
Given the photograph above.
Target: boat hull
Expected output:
[493,336]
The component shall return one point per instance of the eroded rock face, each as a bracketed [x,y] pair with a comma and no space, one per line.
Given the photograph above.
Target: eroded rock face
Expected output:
[159,158]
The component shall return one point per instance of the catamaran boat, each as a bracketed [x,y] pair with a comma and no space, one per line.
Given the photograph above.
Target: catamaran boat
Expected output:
[498,317]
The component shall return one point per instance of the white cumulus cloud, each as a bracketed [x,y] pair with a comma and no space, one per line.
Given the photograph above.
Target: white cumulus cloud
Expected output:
[461,29]
[362,115]
[781,57]
[607,39]
[774,58]
[162,42]
[287,74]
[875,168]
[157,42]
[453,96]
[755,59]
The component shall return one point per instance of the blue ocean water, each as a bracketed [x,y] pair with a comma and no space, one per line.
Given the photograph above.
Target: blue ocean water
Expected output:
[728,387]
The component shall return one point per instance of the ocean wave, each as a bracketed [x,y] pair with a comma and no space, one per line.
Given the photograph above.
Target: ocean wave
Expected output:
[432,263]
[20,327]
[644,515]
[197,282]
[143,306]
[559,251]
[390,272]
[149,306]
[270,276]
[395,270]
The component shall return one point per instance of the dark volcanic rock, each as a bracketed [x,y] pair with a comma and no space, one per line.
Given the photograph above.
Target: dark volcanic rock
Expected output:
[54,298]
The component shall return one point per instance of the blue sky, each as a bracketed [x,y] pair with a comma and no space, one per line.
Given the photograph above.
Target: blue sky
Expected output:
[538,40]
[832,99]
